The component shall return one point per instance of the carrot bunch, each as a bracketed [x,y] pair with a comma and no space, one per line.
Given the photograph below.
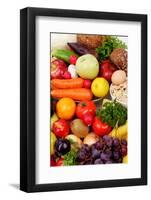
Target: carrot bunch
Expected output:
[72,88]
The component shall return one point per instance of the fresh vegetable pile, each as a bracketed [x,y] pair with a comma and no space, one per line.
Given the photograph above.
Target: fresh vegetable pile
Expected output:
[88,101]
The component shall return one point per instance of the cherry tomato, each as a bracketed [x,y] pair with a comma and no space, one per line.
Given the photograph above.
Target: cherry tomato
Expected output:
[60,128]
[100,128]
[85,111]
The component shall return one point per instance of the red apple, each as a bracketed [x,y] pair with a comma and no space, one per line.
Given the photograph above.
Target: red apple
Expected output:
[106,69]
[60,128]
[58,68]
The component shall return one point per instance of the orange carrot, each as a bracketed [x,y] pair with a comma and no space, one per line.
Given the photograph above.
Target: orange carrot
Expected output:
[52,87]
[67,83]
[80,94]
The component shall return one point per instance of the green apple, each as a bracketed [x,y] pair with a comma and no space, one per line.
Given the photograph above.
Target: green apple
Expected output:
[100,87]
[74,139]
[87,66]
[52,143]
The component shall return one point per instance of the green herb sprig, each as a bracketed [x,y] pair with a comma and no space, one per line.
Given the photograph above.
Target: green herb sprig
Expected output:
[113,113]
[70,158]
[111,43]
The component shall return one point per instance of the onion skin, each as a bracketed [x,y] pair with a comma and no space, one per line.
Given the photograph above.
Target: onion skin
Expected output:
[90,139]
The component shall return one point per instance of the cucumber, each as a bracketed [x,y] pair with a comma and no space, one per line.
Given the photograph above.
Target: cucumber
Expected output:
[63,54]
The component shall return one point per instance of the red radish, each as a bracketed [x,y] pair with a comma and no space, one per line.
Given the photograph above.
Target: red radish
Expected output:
[67,75]
[73,59]
[87,84]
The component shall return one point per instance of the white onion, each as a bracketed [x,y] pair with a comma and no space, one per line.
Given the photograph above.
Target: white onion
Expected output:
[91,138]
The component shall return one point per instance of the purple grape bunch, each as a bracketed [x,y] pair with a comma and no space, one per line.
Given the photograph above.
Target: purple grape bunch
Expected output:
[107,150]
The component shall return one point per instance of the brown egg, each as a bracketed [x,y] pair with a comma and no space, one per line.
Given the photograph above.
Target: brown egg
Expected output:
[118,77]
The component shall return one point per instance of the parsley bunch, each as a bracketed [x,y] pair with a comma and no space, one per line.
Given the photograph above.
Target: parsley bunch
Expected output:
[70,158]
[111,43]
[113,113]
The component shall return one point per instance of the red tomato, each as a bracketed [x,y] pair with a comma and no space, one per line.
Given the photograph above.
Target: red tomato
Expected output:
[60,128]
[85,111]
[100,128]
[85,106]
[52,162]
[59,162]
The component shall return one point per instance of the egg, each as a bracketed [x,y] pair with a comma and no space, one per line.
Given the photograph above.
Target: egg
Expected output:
[118,77]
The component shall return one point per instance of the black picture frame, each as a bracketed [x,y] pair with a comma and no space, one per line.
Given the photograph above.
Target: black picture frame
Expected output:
[28,98]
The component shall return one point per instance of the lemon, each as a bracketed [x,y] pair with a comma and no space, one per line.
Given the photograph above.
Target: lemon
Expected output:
[100,87]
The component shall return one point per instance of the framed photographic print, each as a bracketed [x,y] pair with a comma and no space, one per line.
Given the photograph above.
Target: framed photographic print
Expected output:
[83,99]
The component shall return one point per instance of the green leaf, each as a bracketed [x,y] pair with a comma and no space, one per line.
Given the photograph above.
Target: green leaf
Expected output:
[111,43]
[112,112]
[70,158]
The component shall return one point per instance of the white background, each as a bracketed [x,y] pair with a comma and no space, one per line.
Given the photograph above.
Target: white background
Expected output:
[9,100]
